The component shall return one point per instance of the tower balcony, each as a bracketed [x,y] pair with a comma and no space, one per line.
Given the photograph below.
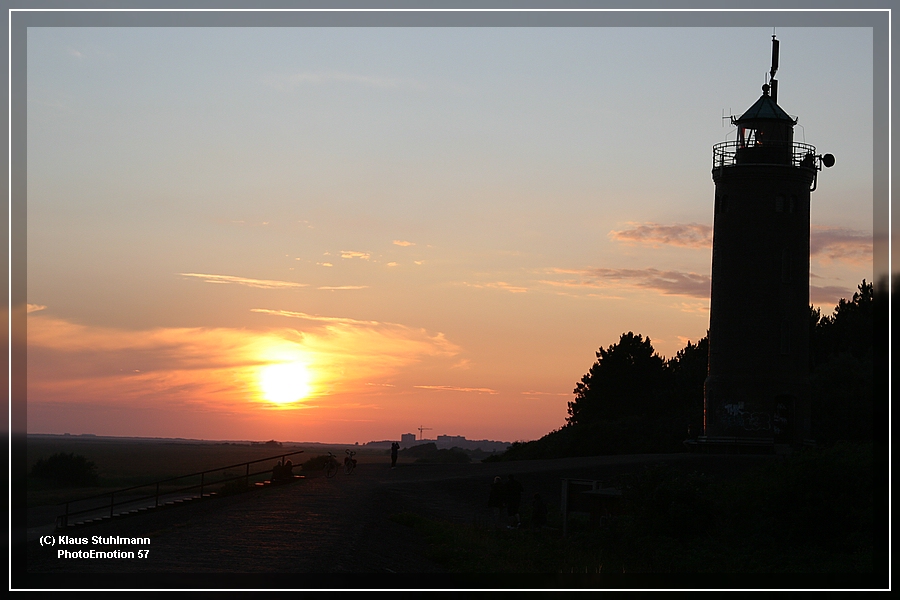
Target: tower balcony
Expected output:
[792,154]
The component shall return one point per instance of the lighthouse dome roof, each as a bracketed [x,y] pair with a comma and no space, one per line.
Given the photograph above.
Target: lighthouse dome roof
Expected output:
[765,108]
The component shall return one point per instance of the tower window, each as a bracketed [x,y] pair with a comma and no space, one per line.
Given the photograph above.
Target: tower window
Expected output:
[721,204]
[785,337]
[785,266]
[779,203]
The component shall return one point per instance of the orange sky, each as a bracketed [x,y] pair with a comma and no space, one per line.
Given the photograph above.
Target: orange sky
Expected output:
[341,235]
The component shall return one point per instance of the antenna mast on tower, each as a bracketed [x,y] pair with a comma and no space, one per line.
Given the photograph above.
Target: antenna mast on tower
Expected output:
[772,82]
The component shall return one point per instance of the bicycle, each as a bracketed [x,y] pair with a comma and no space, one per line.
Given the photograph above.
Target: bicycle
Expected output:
[349,462]
[331,465]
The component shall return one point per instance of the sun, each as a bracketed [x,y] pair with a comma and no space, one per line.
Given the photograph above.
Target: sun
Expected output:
[283,383]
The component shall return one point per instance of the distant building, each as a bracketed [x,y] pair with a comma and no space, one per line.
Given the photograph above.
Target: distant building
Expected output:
[458,441]
[449,441]
[408,440]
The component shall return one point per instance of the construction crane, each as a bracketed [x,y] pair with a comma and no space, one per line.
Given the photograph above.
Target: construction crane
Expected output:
[421,429]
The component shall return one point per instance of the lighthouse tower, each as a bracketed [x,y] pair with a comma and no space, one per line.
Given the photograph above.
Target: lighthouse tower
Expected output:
[756,393]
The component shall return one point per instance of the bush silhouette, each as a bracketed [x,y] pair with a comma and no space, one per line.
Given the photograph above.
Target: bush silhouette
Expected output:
[316,463]
[429,453]
[66,470]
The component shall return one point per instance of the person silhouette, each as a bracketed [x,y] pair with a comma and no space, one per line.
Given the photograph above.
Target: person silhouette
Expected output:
[497,499]
[513,500]
[395,448]
[538,512]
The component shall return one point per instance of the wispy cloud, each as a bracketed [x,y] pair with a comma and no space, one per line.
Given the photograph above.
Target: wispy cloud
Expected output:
[499,285]
[534,393]
[30,308]
[355,254]
[689,235]
[839,243]
[216,368]
[451,388]
[675,283]
[256,283]
[828,296]
[342,287]
[403,243]
[826,243]
[308,317]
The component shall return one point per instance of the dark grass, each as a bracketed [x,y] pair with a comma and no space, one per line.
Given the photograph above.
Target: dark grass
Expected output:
[126,462]
[812,513]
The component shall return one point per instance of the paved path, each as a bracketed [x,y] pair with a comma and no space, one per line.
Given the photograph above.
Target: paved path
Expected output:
[339,525]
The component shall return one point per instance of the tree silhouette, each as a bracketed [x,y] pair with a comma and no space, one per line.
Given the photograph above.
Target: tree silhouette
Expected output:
[634,401]
[848,330]
[66,470]
[683,392]
[622,382]
[841,369]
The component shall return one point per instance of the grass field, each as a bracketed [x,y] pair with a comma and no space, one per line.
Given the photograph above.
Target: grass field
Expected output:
[126,462]
[814,512]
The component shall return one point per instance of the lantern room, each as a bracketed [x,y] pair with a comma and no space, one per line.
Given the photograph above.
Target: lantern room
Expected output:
[765,133]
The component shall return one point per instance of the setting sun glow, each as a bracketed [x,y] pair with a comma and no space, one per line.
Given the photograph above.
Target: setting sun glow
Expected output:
[283,383]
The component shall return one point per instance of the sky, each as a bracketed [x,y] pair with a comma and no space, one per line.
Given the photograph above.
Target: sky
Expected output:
[345,234]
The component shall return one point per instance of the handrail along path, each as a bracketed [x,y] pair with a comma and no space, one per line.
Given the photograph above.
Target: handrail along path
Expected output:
[63,520]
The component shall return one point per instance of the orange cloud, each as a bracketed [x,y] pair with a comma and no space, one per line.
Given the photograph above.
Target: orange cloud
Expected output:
[828,295]
[675,283]
[499,285]
[355,254]
[828,243]
[257,283]
[342,287]
[218,369]
[839,243]
[690,235]
[450,388]
[308,317]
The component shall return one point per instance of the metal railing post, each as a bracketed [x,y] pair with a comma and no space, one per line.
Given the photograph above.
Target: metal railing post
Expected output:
[98,499]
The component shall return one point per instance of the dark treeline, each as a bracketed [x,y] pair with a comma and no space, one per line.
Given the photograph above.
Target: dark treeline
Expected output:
[632,400]
[65,470]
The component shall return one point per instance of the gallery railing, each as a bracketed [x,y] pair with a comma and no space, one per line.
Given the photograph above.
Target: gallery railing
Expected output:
[163,489]
[795,154]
